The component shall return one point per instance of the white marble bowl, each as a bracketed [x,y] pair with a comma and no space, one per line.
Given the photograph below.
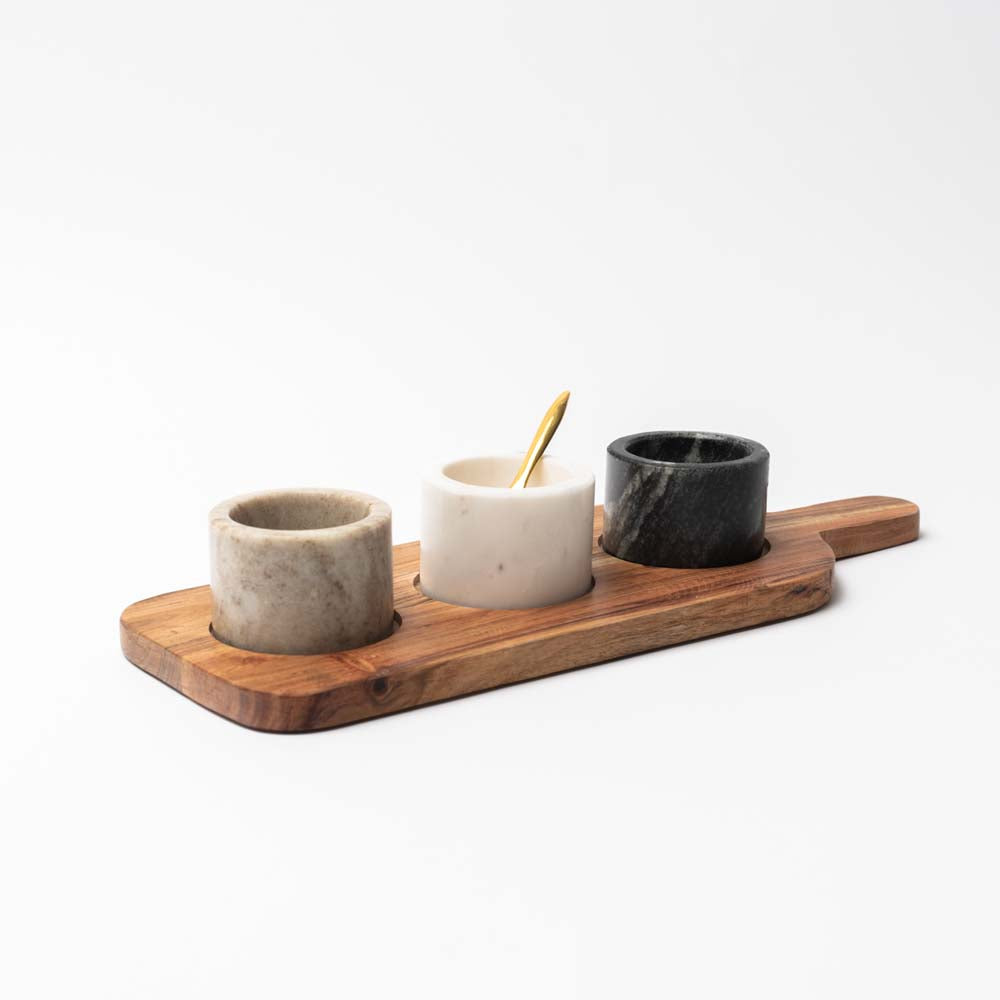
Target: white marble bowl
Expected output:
[301,571]
[484,545]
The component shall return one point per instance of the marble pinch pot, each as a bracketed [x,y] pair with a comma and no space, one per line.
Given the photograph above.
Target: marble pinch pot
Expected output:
[485,545]
[301,571]
[686,499]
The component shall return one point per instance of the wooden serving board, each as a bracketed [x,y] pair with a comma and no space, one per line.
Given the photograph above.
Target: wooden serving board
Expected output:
[440,651]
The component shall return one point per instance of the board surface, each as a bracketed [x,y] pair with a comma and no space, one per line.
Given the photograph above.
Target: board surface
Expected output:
[440,651]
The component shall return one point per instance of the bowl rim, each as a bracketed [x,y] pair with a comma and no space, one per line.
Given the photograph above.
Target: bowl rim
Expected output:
[580,478]
[619,448]
[220,517]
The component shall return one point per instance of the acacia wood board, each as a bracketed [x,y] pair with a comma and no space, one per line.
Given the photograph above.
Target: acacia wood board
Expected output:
[439,651]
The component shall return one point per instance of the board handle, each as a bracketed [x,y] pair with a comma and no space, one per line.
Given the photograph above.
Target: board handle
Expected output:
[853,527]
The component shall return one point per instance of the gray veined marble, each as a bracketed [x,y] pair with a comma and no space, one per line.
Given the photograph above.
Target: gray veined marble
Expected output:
[301,571]
[685,499]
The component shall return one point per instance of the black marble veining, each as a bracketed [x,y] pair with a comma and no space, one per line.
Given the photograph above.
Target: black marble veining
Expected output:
[686,499]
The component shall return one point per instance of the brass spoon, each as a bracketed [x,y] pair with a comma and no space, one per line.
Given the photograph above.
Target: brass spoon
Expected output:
[541,440]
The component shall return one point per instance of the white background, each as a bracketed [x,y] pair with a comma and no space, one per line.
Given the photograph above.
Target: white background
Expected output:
[246,245]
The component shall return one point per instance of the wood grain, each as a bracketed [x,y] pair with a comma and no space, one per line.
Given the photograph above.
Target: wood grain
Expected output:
[439,651]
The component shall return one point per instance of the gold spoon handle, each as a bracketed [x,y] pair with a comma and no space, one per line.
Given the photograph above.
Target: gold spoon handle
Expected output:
[541,440]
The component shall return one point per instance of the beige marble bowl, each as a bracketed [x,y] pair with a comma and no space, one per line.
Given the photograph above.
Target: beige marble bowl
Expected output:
[301,571]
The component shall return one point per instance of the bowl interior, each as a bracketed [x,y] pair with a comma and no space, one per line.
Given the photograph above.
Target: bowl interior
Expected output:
[299,511]
[689,449]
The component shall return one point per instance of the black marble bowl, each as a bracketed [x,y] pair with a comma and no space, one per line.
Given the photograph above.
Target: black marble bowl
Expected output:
[685,499]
